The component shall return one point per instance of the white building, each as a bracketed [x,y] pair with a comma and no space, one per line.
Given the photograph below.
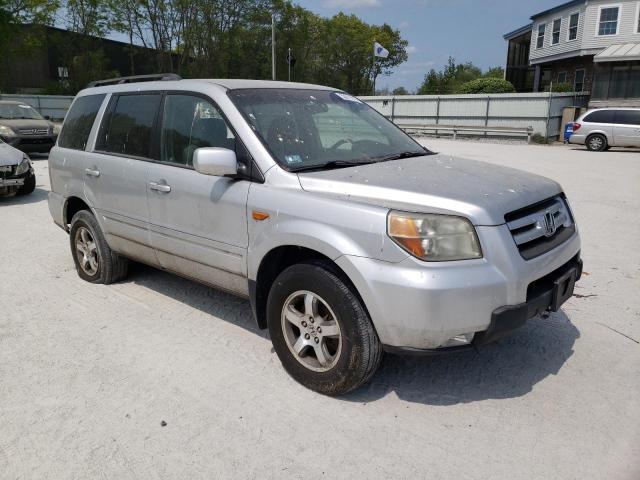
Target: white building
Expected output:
[594,45]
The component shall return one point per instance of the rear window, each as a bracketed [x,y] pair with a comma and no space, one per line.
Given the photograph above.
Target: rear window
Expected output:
[128,127]
[601,116]
[628,117]
[78,122]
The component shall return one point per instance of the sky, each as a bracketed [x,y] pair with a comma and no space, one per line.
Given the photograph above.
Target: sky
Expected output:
[468,30]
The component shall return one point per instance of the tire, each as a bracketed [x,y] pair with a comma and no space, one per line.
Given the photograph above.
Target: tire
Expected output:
[351,357]
[596,142]
[100,264]
[29,185]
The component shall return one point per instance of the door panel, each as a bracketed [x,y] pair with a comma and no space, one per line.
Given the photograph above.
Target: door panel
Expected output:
[626,131]
[203,220]
[116,173]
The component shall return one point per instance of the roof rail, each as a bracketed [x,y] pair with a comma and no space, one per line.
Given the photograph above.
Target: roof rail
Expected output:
[134,79]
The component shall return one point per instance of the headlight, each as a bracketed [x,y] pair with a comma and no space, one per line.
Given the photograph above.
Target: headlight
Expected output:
[23,166]
[434,238]
[56,129]
[7,132]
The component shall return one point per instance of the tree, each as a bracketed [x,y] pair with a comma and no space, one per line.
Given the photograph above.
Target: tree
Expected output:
[400,91]
[453,76]
[486,85]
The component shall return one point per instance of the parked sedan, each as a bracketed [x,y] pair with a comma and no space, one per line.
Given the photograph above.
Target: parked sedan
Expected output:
[16,172]
[607,127]
[22,127]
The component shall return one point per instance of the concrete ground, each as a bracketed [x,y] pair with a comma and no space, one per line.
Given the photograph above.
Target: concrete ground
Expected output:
[89,374]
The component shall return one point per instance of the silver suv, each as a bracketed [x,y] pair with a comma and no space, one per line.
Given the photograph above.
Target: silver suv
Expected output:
[347,236]
[607,127]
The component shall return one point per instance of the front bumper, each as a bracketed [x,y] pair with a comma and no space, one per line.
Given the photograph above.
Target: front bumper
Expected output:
[12,184]
[32,143]
[419,306]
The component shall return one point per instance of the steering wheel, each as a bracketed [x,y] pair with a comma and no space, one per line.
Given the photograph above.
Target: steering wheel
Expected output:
[339,143]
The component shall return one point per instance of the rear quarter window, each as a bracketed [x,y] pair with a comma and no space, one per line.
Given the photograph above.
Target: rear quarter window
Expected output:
[78,122]
[628,117]
[601,116]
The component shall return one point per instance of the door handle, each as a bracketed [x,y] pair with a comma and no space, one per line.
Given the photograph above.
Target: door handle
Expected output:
[159,187]
[92,173]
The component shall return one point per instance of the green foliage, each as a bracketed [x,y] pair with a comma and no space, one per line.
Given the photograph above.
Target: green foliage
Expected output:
[400,91]
[486,85]
[219,39]
[564,87]
[454,76]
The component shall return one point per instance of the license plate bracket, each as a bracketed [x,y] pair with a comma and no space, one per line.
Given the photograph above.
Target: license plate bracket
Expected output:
[563,289]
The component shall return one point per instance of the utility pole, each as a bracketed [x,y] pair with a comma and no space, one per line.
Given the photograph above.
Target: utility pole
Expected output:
[273,46]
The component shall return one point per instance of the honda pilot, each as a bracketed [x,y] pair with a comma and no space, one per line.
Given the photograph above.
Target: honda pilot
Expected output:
[347,236]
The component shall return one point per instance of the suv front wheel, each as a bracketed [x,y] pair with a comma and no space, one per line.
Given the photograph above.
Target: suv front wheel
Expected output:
[95,261]
[320,330]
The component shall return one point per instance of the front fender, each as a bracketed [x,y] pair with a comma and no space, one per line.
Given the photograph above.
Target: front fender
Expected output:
[329,226]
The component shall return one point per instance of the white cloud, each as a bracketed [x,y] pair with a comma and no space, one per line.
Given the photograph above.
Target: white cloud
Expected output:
[411,49]
[352,3]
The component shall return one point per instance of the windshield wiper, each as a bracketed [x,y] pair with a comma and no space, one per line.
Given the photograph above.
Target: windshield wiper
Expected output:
[332,164]
[398,156]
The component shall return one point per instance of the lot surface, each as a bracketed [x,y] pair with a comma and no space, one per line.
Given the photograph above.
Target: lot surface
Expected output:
[89,372]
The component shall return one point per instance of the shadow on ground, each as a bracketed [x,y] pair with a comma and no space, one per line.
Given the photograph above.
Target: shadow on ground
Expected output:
[214,302]
[38,195]
[506,369]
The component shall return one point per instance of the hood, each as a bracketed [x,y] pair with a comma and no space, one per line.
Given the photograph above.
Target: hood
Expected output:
[25,123]
[439,183]
[9,155]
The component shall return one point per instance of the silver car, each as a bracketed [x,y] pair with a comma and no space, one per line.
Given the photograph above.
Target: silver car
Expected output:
[347,236]
[607,127]
[16,172]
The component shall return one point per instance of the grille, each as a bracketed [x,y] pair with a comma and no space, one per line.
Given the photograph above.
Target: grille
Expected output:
[34,131]
[541,227]
[7,171]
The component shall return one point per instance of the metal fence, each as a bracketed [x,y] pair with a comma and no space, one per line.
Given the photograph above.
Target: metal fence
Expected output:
[53,106]
[541,111]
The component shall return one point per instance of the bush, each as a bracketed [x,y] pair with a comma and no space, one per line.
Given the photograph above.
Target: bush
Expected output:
[487,85]
[561,88]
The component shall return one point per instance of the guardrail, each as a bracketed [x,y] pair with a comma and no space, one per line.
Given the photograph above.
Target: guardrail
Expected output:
[455,129]
[540,111]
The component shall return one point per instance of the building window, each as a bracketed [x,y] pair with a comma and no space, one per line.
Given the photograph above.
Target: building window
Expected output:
[578,83]
[540,40]
[608,21]
[562,77]
[572,33]
[555,32]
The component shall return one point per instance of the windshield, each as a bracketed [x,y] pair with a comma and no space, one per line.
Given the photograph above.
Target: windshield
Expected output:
[15,111]
[316,129]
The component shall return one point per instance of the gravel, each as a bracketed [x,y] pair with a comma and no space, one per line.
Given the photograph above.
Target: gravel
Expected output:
[159,377]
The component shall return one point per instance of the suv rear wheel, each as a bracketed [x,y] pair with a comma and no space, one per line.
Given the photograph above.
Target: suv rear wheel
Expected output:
[95,261]
[596,142]
[320,330]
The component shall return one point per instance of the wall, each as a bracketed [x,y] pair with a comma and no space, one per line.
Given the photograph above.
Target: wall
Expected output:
[53,106]
[564,46]
[518,110]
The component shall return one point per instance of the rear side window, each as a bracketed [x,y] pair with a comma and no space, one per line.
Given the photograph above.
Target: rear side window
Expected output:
[602,116]
[628,117]
[128,127]
[78,122]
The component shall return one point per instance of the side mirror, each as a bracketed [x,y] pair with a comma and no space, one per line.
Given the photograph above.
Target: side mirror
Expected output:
[219,162]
